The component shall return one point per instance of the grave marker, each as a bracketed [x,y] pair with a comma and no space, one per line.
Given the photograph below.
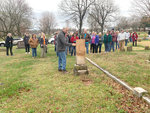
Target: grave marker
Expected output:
[20,45]
[80,66]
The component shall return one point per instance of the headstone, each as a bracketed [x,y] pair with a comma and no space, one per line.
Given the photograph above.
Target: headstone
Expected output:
[20,45]
[146,47]
[122,50]
[2,50]
[129,48]
[80,67]
[139,40]
[80,52]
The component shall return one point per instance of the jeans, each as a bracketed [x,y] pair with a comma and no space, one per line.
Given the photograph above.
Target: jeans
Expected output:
[107,47]
[130,39]
[96,48]
[62,60]
[70,49]
[117,45]
[55,47]
[34,52]
[7,51]
[27,48]
[112,46]
[126,42]
[100,47]
[73,51]
[66,50]
[93,48]
[87,47]
[135,43]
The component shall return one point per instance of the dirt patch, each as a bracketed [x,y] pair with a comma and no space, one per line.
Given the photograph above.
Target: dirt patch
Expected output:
[87,82]
[22,90]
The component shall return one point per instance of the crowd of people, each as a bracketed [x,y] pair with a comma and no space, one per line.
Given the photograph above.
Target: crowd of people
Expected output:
[112,41]
[29,42]
[65,43]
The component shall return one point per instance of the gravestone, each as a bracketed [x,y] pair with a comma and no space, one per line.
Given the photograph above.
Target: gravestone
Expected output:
[139,40]
[146,47]
[80,66]
[2,49]
[20,45]
[129,48]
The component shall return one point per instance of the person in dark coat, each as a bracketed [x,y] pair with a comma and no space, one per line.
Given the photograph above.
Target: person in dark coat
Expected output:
[114,39]
[134,38]
[101,38]
[149,33]
[26,43]
[9,44]
[61,47]
[87,38]
[107,41]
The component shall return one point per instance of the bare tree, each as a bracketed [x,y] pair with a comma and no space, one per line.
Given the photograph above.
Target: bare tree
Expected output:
[47,22]
[103,11]
[76,10]
[141,7]
[123,23]
[14,17]
[93,25]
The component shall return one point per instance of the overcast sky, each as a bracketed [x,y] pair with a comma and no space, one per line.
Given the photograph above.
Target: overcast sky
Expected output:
[40,6]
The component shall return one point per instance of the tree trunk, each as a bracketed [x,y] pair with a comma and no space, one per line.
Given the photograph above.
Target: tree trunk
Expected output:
[80,26]
[102,29]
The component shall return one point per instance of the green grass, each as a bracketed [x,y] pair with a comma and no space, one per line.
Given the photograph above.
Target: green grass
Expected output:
[143,34]
[130,67]
[35,86]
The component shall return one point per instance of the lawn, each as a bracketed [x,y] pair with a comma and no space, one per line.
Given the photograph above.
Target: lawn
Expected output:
[130,67]
[35,86]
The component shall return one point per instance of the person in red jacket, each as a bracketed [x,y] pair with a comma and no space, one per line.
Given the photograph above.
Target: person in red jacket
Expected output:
[73,40]
[134,38]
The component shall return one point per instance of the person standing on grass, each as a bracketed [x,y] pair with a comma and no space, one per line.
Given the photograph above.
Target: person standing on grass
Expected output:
[121,40]
[127,33]
[100,43]
[73,40]
[33,41]
[69,37]
[149,33]
[26,43]
[114,39]
[67,41]
[55,41]
[43,45]
[107,41]
[117,42]
[96,42]
[93,45]
[9,44]
[87,38]
[134,38]
[61,47]
[130,37]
